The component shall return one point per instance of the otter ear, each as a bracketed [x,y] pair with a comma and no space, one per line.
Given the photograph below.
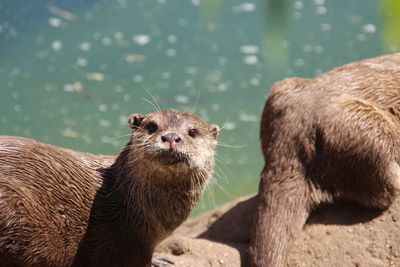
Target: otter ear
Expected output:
[135,120]
[214,129]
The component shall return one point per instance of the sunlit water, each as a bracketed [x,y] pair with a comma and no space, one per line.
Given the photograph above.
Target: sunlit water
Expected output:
[71,71]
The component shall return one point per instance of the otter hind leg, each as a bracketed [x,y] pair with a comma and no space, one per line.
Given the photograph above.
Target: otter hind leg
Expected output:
[363,146]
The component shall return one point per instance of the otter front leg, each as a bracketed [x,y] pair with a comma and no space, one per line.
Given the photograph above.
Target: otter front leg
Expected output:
[283,206]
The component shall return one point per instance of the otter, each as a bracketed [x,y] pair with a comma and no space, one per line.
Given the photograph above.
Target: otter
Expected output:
[60,207]
[334,137]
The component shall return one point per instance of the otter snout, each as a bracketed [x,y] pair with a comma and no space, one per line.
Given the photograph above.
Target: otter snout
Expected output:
[171,138]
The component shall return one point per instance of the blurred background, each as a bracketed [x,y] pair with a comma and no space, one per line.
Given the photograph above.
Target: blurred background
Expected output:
[71,71]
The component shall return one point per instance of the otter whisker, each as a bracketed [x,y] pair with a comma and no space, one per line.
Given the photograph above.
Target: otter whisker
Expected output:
[158,108]
[151,103]
[121,136]
[223,164]
[223,190]
[231,146]
[197,101]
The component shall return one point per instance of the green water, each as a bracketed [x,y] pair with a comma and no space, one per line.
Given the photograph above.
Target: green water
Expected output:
[71,71]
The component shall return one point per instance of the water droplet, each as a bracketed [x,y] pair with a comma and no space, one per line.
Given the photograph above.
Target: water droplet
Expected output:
[248,117]
[115,106]
[171,52]
[244,7]
[123,119]
[15,95]
[215,107]
[189,83]
[55,22]
[166,75]
[138,78]
[321,10]
[183,22]
[104,123]
[250,60]
[249,49]
[127,98]
[82,62]
[255,81]
[141,39]
[307,48]
[89,15]
[95,76]
[325,27]
[297,15]
[118,89]
[56,45]
[298,5]
[102,107]
[369,28]
[222,87]
[131,58]
[299,62]
[68,87]
[85,46]
[172,39]
[18,108]
[181,99]
[68,132]
[106,41]
[119,36]
[318,49]
[191,70]
[361,37]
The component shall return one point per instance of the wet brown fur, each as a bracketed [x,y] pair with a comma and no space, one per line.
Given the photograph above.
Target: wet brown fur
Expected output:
[59,207]
[334,137]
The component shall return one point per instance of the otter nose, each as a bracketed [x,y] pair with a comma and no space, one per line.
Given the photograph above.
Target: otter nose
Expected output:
[171,138]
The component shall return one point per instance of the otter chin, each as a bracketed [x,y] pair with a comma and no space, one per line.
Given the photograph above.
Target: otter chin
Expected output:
[172,156]
[60,207]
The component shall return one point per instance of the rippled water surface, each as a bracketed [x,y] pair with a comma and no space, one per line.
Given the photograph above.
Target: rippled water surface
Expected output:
[71,71]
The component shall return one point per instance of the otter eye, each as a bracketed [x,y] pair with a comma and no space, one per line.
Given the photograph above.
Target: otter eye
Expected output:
[151,127]
[193,132]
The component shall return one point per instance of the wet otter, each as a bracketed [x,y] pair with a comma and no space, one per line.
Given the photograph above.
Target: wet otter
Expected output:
[334,137]
[59,207]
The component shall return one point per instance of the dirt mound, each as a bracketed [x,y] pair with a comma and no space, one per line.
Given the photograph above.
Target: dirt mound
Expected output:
[339,235]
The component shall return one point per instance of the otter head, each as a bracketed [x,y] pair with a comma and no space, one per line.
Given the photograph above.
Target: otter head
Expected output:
[171,141]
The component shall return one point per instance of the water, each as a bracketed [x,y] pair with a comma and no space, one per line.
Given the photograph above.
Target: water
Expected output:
[71,71]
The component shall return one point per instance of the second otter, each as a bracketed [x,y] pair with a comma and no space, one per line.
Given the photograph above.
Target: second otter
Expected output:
[333,137]
[64,208]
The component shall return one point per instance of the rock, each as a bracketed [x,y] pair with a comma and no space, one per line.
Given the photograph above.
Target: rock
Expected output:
[338,235]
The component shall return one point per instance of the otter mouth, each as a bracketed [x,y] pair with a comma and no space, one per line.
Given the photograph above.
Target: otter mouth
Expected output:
[171,156]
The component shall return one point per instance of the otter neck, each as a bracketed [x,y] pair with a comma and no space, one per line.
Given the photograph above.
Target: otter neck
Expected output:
[162,203]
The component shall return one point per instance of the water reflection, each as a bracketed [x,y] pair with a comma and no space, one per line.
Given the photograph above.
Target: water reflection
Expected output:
[72,71]
[391,20]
